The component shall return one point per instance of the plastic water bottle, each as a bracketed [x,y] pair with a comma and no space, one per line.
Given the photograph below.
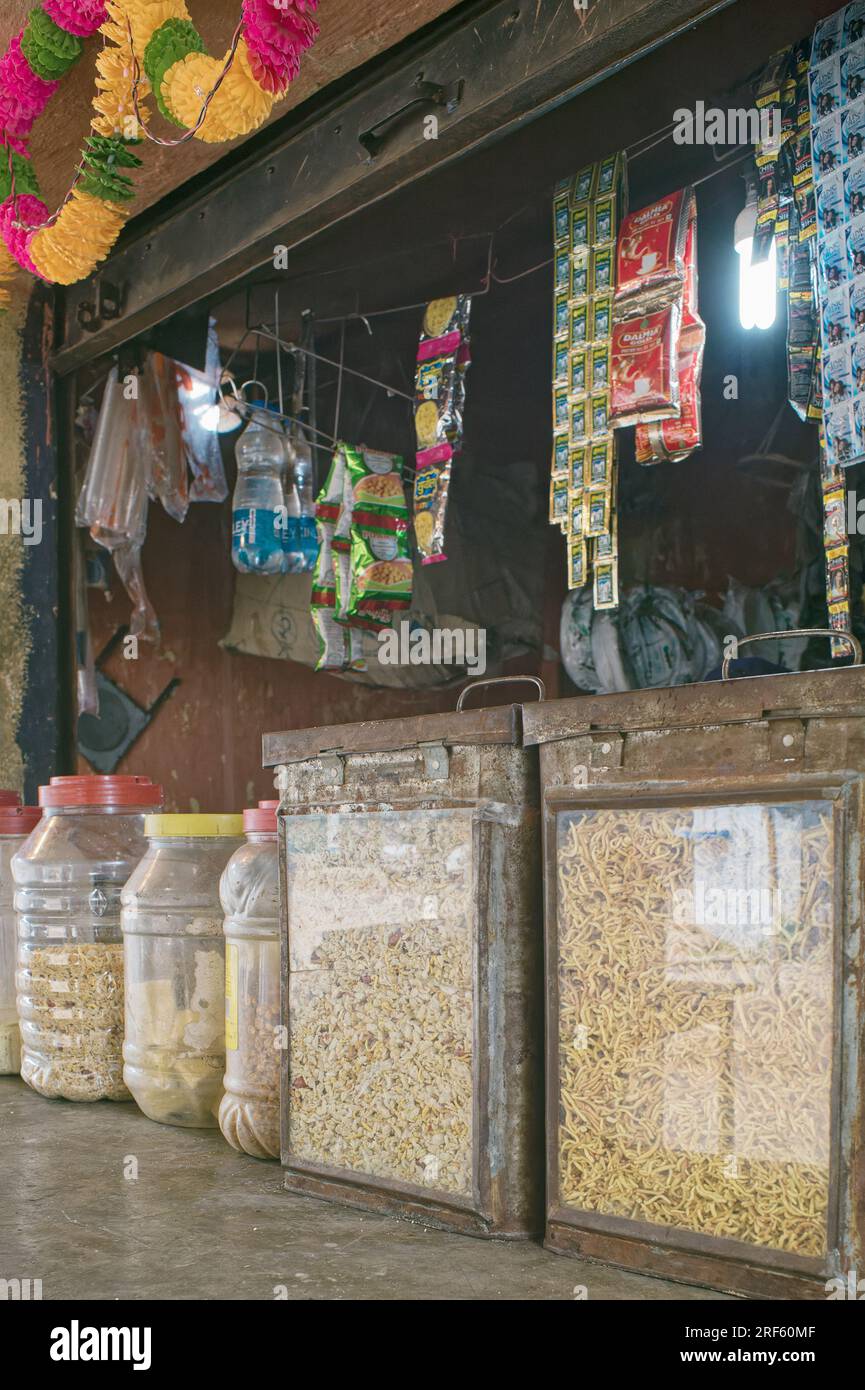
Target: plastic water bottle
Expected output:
[300,538]
[292,556]
[259,502]
[303,481]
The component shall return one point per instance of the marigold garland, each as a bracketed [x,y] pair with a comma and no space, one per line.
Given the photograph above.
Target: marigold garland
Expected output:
[150,47]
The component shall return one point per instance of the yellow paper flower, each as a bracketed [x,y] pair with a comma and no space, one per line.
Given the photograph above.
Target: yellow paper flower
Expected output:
[113,105]
[82,236]
[239,107]
[144,17]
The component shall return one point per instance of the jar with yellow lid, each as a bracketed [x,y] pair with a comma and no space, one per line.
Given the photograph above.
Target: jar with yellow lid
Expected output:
[174,961]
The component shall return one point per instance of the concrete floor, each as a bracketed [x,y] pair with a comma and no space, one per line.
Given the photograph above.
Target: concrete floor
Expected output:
[203,1222]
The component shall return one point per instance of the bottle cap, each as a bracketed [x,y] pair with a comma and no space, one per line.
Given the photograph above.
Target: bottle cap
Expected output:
[96,791]
[196,827]
[19,820]
[261,818]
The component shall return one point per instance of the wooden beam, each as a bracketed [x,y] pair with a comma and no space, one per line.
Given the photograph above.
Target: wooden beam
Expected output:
[351,34]
[508,65]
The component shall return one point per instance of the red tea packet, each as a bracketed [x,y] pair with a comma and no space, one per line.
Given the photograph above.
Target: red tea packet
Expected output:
[645,370]
[651,252]
[677,439]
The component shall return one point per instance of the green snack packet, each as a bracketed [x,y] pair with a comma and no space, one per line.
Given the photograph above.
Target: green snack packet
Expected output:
[381,567]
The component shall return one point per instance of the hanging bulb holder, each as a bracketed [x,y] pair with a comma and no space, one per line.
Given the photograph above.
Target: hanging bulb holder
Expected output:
[746,222]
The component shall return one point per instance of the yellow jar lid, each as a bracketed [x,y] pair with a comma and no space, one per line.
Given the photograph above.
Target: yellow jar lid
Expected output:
[193,827]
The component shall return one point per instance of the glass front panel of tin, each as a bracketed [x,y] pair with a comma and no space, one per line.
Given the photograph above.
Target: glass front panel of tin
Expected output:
[382,928]
[695,1026]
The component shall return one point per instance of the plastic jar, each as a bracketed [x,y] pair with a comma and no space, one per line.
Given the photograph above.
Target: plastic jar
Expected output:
[69,875]
[16,822]
[249,1113]
[174,953]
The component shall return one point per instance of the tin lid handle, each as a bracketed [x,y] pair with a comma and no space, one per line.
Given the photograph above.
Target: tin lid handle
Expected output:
[854,643]
[501,680]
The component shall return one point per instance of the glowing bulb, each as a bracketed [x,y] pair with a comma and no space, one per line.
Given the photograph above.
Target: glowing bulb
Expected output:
[758,296]
[218,419]
[758,300]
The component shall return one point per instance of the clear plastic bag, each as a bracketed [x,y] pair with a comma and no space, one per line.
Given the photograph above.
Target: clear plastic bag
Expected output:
[197,393]
[160,420]
[115,495]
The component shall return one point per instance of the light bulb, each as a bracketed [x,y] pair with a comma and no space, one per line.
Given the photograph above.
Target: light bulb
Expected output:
[758,299]
[218,419]
[758,295]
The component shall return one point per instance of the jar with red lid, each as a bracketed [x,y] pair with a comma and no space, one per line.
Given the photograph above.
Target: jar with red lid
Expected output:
[69,875]
[254,1036]
[16,822]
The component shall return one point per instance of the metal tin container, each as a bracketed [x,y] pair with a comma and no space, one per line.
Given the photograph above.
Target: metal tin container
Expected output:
[703,885]
[412,969]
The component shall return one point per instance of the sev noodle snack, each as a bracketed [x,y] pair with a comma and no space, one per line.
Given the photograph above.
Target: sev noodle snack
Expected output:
[695,1042]
[381,1012]
[380,575]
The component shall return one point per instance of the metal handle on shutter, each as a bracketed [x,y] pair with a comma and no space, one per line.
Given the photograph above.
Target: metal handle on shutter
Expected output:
[855,644]
[426,94]
[501,680]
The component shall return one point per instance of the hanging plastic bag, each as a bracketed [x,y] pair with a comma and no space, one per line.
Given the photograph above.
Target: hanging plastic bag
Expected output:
[115,496]
[161,434]
[198,394]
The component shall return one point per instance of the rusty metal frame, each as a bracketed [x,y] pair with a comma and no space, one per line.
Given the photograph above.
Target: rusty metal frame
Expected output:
[692,1257]
[829,694]
[479,727]
[481,1213]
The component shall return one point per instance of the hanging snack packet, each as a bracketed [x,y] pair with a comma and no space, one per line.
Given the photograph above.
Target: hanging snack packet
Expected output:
[435,400]
[650,257]
[381,567]
[440,387]
[445,325]
[645,371]
[338,646]
[440,380]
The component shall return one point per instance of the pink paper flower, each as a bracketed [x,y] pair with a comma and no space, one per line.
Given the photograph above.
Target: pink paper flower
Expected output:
[19,146]
[81,17]
[20,218]
[23,95]
[276,35]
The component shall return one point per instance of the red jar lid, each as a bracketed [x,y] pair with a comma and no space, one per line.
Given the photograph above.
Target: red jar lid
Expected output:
[9,799]
[19,820]
[95,791]
[261,818]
